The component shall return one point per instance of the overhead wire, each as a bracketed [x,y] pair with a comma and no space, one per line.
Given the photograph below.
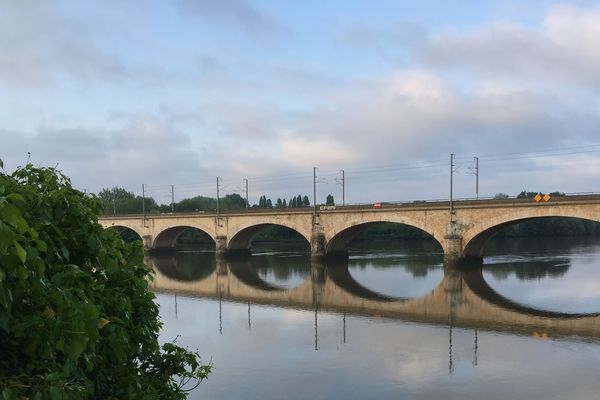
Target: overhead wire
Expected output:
[374,173]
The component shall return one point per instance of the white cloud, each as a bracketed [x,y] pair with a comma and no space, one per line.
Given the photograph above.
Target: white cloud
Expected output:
[141,149]
[562,50]
[324,151]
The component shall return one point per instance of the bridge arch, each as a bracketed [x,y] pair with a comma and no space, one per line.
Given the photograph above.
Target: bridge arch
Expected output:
[184,267]
[123,229]
[476,238]
[339,240]
[167,238]
[242,239]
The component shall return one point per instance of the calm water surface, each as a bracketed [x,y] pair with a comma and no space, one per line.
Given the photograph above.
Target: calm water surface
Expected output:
[390,322]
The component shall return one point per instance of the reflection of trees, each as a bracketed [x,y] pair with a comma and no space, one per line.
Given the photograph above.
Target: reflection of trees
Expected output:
[538,245]
[529,270]
[184,266]
[282,268]
[418,265]
[418,256]
[538,257]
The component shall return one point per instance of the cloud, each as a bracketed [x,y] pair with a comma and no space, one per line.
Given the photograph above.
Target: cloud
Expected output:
[393,43]
[325,151]
[236,108]
[39,45]
[237,13]
[562,50]
[141,149]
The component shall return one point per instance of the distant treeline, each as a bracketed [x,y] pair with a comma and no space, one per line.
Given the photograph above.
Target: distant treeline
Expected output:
[552,226]
[120,201]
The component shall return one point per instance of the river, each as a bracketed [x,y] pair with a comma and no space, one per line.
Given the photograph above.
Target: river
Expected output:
[390,322]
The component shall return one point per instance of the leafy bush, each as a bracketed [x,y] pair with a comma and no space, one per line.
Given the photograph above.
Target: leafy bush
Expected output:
[77,319]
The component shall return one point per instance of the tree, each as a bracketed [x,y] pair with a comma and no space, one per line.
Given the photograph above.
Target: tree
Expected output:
[120,201]
[233,202]
[77,319]
[305,201]
[527,195]
[299,201]
[501,196]
[329,201]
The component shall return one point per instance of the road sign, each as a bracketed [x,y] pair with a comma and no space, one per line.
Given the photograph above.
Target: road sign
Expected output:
[537,197]
[547,197]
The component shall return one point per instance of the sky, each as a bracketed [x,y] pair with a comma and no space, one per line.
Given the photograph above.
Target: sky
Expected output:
[161,93]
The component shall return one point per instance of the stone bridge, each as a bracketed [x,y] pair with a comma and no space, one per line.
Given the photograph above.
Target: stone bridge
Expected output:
[461,233]
[462,298]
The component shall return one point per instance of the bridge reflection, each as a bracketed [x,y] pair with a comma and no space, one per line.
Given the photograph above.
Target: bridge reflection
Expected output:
[462,299]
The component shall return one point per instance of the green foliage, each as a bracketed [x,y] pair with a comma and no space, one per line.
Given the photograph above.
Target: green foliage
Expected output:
[501,196]
[198,203]
[298,202]
[551,226]
[120,201]
[390,231]
[329,201]
[279,233]
[77,320]
[527,195]
[305,201]
[195,237]
[233,202]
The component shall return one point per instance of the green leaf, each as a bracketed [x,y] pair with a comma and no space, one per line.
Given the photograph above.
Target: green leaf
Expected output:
[7,236]
[15,197]
[76,346]
[41,245]
[21,253]
[11,215]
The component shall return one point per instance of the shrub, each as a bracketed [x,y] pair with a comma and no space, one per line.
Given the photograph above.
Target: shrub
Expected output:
[77,319]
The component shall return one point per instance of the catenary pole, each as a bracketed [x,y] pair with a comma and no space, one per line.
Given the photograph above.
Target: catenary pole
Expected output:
[451,187]
[172,198]
[477,178]
[247,202]
[218,196]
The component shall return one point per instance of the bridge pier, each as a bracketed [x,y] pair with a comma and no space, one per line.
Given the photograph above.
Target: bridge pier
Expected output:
[317,242]
[454,255]
[318,247]
[221,250]
[147,241]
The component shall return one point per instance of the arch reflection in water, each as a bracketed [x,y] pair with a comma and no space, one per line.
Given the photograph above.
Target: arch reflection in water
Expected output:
[401,268]
[462,298]
[558,274]
[183,266]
